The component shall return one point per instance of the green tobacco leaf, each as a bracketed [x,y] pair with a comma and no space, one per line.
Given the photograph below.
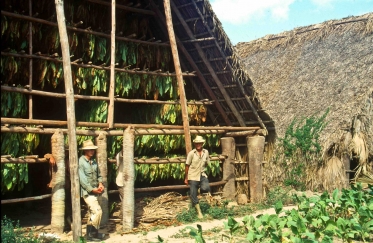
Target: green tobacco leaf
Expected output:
[278,207]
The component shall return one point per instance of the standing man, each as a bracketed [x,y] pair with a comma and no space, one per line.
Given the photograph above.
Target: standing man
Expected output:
[91,188]
[195,175]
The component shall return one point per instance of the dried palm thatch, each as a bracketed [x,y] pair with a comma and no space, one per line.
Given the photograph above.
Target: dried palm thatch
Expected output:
[332,174]
[164,207]
[305,71]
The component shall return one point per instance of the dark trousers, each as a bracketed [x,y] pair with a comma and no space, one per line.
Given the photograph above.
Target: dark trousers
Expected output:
[194,185]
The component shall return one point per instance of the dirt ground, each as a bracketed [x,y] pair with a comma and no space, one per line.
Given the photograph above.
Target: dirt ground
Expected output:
[37,218]
[212,230]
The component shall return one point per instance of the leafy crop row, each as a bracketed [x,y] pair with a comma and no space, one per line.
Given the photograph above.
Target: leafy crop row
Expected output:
[346,214]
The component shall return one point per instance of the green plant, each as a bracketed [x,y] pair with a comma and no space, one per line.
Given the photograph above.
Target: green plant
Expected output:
[11,233]
[232,225]
[347,214]
[196,233]
[187,216]
[303,136]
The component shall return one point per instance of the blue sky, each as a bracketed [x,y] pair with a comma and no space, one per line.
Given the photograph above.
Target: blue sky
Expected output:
[246,20]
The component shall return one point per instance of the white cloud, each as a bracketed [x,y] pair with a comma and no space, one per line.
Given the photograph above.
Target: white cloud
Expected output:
[242,11]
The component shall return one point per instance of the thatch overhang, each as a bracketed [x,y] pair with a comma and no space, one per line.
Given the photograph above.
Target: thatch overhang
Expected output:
[220,77]
[305,71]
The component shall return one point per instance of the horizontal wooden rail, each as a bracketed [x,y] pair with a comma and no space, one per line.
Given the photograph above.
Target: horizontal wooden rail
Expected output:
[242,179]
[23,161]
[147,189]
[176,187]
[167,160]
[245,133]
[138,132]
[75,63]
[25,199]
[42,21]
[88,97]
[20,121]
[127,8]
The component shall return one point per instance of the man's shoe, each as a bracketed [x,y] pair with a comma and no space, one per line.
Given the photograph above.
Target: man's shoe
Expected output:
[200,215]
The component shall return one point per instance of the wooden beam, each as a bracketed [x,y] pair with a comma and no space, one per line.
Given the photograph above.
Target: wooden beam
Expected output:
[25,199]
[88,97]
[138,132]
[30,69]
[23,161]
[110,117]
[199,40]
[237,81]
[123,70]
[70,113]
[127,8]
[245,133]
[195,67]
[180,81]
[210,68]
[176,187]
[178,160]
[42,21]
[19,121]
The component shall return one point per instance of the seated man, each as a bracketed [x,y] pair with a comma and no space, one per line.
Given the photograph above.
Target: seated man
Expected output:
[91,188]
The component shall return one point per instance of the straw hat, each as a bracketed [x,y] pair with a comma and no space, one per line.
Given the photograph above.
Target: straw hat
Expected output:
[87,145]
[199,139]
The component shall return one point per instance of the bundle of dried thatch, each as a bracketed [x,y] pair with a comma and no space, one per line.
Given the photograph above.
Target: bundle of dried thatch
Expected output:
[164,207]
[305,71]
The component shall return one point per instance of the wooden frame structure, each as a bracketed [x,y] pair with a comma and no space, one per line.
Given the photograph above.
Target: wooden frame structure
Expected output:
[212,74]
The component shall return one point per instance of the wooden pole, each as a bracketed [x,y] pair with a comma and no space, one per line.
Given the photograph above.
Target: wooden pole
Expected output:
[88,97]
[179,77]
[175,187]
[20,121]
[228,147]
[25,199]
[70,112]
[245,133]
[255,146]
[30,116]
[102,160]
[58,190]
[128,203]
[110,118]
[137,132]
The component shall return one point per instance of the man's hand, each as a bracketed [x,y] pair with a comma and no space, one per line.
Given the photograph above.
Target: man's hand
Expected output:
[101,187]
[96,191]
[52,161]
[186,181]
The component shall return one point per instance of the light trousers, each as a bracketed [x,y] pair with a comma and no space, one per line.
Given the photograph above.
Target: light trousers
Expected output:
[94,208]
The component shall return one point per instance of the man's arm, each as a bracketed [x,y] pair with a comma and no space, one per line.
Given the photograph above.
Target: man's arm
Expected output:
[186,174]
[83,179]
[99,179]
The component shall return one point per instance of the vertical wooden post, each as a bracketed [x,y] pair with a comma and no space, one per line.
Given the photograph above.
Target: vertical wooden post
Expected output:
[255,147]
[101,143]
[179,77]
[128,203]
[228,147]
[58,190]
[112,66]
[345,157]
[70,112]
[30,61]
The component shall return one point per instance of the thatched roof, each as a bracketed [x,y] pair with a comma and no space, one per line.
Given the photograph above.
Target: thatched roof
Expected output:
[204,38]
[204,49]
[305,71]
